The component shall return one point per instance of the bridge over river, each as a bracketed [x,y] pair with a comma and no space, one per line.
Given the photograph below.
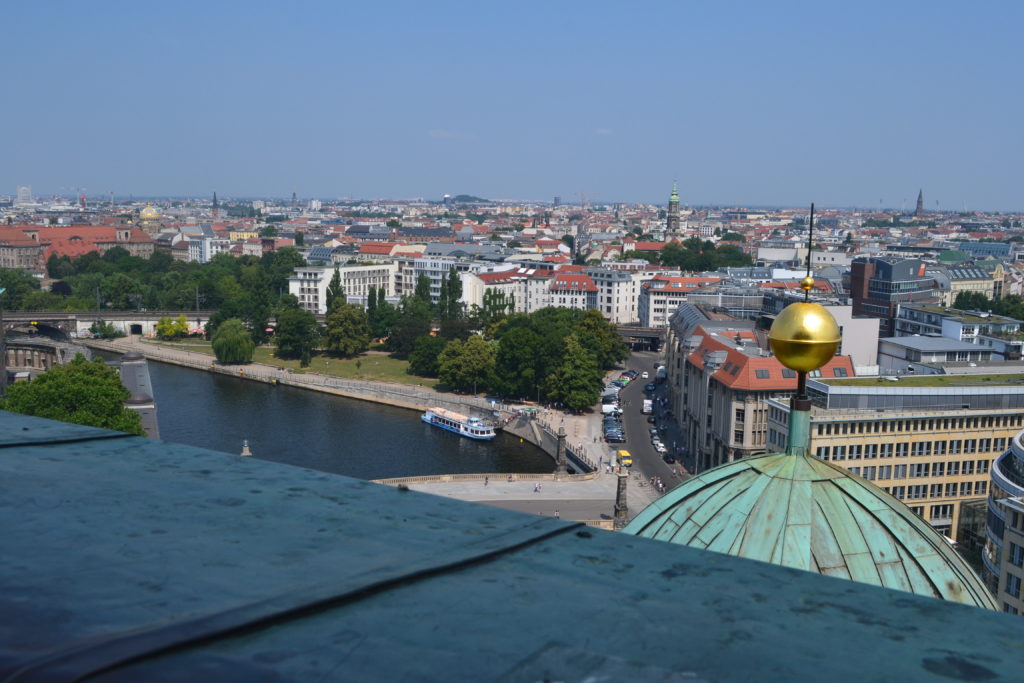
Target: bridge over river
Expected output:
[61,325]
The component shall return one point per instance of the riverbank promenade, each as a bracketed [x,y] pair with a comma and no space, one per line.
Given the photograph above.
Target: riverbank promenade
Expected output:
[588,498]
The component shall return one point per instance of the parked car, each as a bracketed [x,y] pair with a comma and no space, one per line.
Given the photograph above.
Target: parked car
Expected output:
[651,419]
[660,447]
[649,386]
[644,375]
[668,458]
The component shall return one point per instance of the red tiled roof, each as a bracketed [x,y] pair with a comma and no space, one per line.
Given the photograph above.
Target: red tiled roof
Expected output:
[573,282]
[740,371]
[377,247]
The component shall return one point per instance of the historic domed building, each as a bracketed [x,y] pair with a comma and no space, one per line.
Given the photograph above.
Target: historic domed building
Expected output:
[149,219]
[795,510]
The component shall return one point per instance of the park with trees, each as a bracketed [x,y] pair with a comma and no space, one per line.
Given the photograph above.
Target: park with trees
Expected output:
[555,354]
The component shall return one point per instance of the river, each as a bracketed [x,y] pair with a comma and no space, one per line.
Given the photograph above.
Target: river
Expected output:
[321,431]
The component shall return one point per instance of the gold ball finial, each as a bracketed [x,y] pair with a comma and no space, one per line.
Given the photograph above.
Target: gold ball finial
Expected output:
[805,336]
[807,284]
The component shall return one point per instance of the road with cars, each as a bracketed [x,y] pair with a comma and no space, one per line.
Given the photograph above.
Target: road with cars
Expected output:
[647,462]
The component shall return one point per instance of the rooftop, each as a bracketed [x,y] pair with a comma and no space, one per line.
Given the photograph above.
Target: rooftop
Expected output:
[142,560]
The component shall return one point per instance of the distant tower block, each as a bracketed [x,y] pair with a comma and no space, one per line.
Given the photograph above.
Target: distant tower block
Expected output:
[672,226]
[558,201]
[919,211]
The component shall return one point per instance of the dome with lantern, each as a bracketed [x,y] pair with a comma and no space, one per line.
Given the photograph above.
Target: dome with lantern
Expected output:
[799,511]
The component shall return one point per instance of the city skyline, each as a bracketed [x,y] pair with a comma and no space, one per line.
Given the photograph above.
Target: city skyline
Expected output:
[745,105]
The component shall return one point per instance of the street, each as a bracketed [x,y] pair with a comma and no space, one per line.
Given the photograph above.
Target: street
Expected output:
[647,462]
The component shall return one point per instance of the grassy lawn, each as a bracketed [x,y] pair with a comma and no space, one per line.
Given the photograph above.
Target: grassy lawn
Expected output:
[373,365]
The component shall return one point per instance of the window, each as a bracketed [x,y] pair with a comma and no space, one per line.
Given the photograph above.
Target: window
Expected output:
[919,469]
[839,453]
[968,467]
[761,373]
[839,372]
[901,450]
[970,446]
[788,374]
[1016,555]
[935,491]
[885,472]
[915,492]
[980,487]
[900,472]
[871,450]
[855,452]
[954,469]
[822,452]
[954,446]
[938,469]
[965,488]
[1013,585]
[899,492]
[869,473]
[941,512]
[886,451]
[940,448]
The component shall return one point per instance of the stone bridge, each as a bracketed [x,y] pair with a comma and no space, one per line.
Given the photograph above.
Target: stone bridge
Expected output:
[64,325]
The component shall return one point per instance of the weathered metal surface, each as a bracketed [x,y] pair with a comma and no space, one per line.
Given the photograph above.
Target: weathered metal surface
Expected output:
[116,549]
[21,429]
[805,513]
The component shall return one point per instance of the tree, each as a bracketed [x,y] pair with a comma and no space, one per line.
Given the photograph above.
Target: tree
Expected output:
[335,290]
[423,360]
[81,392]
[972,301]
[105,330]
[232,343]
[411,323]
[300,238]
[467,366]
[348,331]
[297,335]
[577,381]
[422,291]
[166,328]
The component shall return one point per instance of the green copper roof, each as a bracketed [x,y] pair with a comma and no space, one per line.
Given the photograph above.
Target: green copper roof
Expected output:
[802,512]
[675,193]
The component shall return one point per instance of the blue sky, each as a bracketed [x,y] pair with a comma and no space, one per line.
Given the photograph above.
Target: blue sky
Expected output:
[746,103]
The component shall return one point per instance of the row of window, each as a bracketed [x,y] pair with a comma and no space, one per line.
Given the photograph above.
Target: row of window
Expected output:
[882,472]
[950,490]
[902,449]
[918,425]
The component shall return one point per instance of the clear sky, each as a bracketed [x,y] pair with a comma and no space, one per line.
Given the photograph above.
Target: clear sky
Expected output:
[755,103]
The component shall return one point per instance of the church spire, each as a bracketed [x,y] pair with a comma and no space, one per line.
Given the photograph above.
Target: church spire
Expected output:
[672,222]
[919,211]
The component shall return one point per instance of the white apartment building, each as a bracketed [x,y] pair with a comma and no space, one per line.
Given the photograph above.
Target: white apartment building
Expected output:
[310,284]
[203,249]
[661,296]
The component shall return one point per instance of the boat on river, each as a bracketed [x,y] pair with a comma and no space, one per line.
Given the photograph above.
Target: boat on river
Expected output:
[472,427]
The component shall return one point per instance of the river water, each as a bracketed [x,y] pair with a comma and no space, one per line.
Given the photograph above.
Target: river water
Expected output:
[321,431]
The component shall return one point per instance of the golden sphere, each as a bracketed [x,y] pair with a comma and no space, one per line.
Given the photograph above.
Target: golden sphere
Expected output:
[807,283]
[804,337]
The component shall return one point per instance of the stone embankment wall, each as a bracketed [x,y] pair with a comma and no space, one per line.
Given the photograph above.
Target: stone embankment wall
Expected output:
[399,395]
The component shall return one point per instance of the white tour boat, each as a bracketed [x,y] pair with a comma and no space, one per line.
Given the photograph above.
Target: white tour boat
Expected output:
[473,427]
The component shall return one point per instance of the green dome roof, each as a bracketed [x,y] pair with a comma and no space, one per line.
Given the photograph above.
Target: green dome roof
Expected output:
[802,512]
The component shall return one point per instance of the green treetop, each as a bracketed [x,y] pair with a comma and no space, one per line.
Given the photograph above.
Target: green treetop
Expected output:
[81,392]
